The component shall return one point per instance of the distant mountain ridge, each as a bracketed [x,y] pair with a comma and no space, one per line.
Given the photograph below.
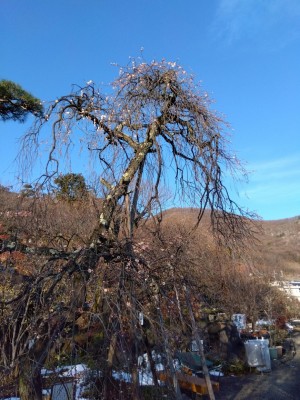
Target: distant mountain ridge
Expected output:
[278,247]
[280,241]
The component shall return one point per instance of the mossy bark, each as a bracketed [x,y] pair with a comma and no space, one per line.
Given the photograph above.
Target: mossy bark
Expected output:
[30,382]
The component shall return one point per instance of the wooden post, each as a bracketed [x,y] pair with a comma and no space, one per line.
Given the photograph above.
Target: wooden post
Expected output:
[200,345]
[168,352]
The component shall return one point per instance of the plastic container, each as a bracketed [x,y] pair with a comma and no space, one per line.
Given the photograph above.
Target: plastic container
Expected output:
[273,353]
[258,354]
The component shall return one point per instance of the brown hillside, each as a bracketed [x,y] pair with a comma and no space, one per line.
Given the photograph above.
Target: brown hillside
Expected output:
[277,249]
[280,247]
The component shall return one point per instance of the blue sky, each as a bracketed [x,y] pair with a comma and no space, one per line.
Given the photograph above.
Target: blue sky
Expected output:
[245,52]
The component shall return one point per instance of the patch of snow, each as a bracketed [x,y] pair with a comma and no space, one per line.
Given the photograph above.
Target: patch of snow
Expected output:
[12,398]
[74,370]
[145,378]
[215,372]
[122,376]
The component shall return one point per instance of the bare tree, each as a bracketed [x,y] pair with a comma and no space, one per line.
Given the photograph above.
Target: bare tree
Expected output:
[154,126]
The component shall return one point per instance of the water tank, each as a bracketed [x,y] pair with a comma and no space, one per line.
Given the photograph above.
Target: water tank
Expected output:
[258,354]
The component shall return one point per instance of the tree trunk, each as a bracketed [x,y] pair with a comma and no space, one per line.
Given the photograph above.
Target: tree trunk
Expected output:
[176,386]
[183,326]
[151,361]
[30,377]
[109,366]
[135,381]
[200,347]
[30,381]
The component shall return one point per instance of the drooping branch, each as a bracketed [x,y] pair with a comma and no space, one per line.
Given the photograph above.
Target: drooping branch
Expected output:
[156,109]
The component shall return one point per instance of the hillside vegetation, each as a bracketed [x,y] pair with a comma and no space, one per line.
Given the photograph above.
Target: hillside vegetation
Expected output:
[279,250]
[276,249]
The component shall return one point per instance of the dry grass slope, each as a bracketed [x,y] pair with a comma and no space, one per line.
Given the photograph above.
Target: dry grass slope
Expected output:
[276,251]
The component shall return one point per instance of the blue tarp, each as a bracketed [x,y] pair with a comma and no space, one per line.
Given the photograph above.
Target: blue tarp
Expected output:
[191,360]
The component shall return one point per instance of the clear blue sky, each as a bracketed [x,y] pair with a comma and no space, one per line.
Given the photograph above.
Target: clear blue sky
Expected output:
[245,52]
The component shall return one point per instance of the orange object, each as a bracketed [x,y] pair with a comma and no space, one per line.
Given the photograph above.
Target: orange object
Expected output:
[192,383]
